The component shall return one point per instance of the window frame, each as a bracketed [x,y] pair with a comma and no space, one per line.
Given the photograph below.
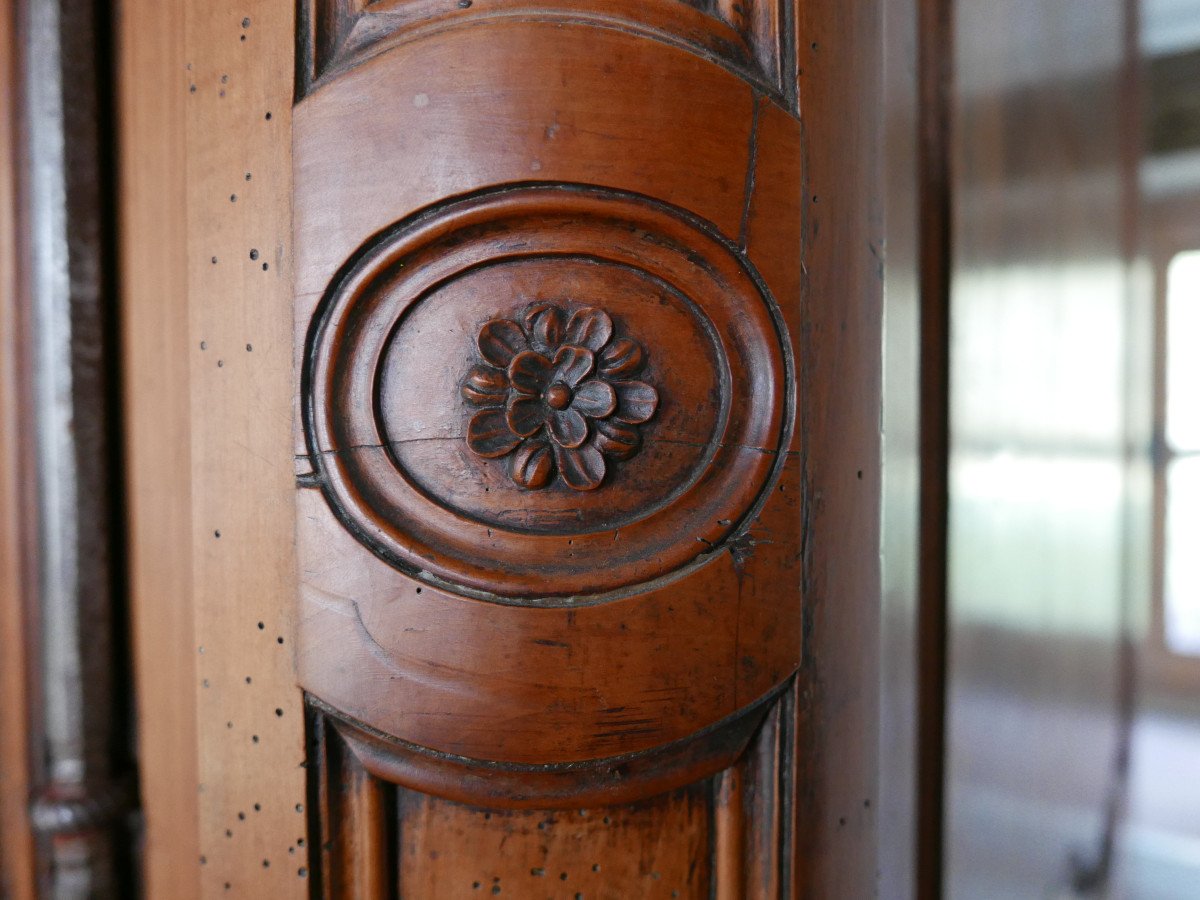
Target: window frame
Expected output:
[1173,231]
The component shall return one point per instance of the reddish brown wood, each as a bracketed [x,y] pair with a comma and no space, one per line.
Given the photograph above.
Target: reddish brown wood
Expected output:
[656,849]
[613,779]
[713,837]
[837,691]
[576,436]
[488,620]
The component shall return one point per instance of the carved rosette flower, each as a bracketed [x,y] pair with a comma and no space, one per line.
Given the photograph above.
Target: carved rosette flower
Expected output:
[558,396]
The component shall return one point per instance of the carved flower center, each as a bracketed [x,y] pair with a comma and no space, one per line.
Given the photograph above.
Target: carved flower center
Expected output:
[558,396]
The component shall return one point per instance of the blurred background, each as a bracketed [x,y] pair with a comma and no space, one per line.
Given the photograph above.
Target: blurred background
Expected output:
[1067,196]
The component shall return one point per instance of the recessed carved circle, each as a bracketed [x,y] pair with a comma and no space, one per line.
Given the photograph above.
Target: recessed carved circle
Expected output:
[446,362]
[558,395]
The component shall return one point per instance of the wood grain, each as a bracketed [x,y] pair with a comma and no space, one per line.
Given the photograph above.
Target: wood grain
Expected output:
[838,688]
[249,714]
[658,849]
[553,626]
[16,501]
[206,100]
[505,683]
[157,438]
[723,837]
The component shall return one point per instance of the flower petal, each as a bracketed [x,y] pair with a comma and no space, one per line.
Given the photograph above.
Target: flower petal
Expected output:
[526,415]
[595,399]
[616,439]
[544,325]
[573,364]
[567,427]
[581,469]
[529,372]
[500,340]
[636,401]
[485,386]
[621,357]
[589,327]
[532,466]
[489,436]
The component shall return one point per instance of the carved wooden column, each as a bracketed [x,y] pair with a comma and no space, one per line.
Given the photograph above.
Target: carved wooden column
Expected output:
[558,462]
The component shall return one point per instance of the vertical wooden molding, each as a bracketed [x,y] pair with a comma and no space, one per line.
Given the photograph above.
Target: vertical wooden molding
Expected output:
[236,80]
[752,825]
[838,687]
[728,826]
[206,98]
[16,848]
[354,817]
[157,434]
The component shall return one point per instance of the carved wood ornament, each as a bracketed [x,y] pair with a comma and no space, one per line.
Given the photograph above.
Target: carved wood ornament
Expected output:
[557,396]
[547,300]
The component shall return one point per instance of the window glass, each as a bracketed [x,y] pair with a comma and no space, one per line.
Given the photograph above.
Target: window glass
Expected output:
[1182,588]
[1183,352]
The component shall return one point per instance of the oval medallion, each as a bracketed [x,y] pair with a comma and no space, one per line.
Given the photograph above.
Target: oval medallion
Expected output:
[546,385]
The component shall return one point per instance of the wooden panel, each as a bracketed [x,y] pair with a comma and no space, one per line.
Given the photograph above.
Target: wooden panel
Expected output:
[689,196]
[249,712]
[206,112]
[657,849]
[16,501]
[480,594]
[158,458]
[723,837]
[494,603]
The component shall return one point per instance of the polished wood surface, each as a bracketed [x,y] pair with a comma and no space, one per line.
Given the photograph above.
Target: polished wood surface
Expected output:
[435,334]
[838,688]
[750,36]
[585,415]
[710,838]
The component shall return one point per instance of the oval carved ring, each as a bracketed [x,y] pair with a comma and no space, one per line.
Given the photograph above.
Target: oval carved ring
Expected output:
[547,394]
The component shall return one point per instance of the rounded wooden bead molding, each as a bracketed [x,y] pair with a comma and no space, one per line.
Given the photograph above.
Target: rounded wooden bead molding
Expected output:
[547,394]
